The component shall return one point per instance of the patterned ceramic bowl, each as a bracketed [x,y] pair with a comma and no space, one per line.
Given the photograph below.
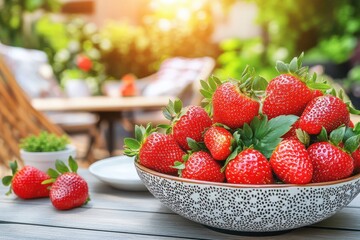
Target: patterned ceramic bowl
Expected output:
[250,208]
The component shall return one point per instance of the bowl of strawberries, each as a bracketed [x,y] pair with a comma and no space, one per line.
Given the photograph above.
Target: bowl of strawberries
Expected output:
[259,157]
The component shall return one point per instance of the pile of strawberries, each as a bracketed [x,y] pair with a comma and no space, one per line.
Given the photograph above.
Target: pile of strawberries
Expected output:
[64,186]
[294,129]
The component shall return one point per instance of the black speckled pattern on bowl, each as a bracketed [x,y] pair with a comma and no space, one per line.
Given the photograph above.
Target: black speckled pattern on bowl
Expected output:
[250,208]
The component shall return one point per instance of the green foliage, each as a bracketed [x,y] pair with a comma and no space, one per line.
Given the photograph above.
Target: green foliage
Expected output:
[237,54]
[44,142]
[12,20]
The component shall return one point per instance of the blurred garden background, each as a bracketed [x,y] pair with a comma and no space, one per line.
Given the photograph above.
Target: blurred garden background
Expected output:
[99,41]
[103,40]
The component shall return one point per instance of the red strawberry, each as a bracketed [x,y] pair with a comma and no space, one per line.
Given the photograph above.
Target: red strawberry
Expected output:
[291,163]
[201,166]
[154,150]
[189,122]
[219,142]
[330,162]
[26,183]
[233,102]
[351,124]
[326,111]
[249,167]
[289,93]
[317,93]
[356,156]
[233,108]
[286,95]
[69,190]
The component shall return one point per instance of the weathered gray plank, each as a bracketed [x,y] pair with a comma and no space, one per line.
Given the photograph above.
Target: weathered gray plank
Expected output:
[347,218]
[23,232]
[140,223]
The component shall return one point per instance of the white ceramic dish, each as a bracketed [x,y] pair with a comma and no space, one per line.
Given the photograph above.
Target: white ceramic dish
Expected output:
[119,172]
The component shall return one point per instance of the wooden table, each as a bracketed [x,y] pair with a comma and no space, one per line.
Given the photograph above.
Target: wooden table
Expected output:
[109,109]
[116,214]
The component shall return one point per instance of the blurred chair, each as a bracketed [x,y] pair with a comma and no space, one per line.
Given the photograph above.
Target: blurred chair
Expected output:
[18,118]
[35,77]
[178,77]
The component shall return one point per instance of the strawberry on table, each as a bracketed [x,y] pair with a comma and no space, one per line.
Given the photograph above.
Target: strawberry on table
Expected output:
[69,190]
[219,141]
[289,93]
[233,102]
[26,183]
[188,122]
[249,167]
[291,162]
[200,166]
[154,150]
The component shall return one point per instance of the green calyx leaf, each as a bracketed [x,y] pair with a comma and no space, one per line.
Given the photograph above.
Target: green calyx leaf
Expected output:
[322,137]
[132,145]
[61,166]
[195,146]
[232,155]
[337,135]
[179,166]
[14,167]
[207,90]
[264,135]
[6,181]
[303,136]
[352,143]
[73,165]
[173,110]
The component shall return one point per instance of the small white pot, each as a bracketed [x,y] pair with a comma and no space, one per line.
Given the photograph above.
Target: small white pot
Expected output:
[45,160]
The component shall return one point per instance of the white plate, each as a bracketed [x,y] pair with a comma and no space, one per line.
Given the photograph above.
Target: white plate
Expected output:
[119,172]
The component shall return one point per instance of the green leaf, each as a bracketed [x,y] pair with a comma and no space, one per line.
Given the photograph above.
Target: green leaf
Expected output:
[138,133]
[259,83]
[278,126]
[281,67]
[337,135]
[349,132]
[7,180]
[293,66]
[194,146]
[131,143]
[73,165]
[319,86]
[303,136]
[322,137]
[212,84]
[231,157]
[352,144]
[178,105]
[52,173]
[204,85]
[352,110]
[61,167]
[205,93]
[13,167]
[247,131]
[48,181]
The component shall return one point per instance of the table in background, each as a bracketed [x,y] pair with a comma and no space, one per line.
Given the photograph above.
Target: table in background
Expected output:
[109,109]
[116,214]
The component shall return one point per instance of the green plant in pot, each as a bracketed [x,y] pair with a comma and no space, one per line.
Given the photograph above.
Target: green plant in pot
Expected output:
[41,151]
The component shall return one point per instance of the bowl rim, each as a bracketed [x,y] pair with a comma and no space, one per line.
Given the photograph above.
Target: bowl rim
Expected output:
[233,185]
